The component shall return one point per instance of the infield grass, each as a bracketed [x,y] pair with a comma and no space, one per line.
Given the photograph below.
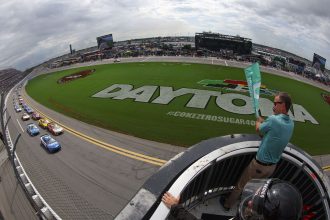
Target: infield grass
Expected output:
[151,121]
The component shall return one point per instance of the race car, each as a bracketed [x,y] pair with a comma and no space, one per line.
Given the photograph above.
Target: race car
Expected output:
[29,110]
[43,122]
[32,129]
[36,116]
[25,117]
[54,128]
[50,143]
[25,106]
[17,108]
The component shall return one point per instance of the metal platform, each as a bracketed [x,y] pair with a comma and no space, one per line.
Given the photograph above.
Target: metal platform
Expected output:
[211,168]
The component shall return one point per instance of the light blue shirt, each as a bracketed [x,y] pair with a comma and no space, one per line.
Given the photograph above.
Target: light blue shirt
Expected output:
[277,131]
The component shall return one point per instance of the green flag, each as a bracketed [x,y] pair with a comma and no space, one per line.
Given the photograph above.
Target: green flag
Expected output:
[253,78]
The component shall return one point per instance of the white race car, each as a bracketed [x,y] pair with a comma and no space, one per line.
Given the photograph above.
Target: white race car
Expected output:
[25,117]
[18,109]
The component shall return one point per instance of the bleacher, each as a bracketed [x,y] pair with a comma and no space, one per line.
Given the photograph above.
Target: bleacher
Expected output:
[8,78]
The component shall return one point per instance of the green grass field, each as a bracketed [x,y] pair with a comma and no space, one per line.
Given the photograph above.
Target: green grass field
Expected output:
[151,121]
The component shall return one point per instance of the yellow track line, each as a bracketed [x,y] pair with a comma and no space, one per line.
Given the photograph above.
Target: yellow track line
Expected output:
[326,168]
[118,150]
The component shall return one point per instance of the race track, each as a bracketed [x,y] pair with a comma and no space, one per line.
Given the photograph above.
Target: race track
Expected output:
[85,180]
[91,177]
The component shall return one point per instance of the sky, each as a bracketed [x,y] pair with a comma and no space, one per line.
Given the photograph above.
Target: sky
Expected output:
[34,31]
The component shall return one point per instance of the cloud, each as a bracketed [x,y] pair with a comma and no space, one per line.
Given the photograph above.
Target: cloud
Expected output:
[301,27]
[37,30]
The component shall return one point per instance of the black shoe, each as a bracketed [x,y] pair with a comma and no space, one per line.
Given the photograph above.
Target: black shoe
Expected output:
[222,200]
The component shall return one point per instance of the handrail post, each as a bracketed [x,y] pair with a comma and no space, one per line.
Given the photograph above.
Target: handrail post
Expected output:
[208,180]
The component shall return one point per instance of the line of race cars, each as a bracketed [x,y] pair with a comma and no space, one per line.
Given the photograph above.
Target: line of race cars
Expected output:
[47,141]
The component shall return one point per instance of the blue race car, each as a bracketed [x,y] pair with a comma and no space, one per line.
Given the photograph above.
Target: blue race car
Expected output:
[29,110]
[32,129]
[49,143]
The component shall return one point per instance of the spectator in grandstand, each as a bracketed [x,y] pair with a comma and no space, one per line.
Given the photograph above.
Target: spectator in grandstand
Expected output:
[276,132]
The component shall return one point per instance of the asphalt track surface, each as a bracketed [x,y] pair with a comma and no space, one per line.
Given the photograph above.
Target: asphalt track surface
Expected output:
[86,179]
[97,172]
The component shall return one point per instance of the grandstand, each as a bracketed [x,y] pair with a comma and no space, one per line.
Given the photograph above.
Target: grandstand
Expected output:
[9,77]
[202,44]
[218,42]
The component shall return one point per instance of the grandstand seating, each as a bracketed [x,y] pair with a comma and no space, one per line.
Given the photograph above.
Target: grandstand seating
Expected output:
[8,78]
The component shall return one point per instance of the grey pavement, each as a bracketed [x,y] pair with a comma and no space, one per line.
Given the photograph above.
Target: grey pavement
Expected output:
[324,161]
[83,180]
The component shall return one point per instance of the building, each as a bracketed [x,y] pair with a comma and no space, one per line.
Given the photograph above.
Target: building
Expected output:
[218,43]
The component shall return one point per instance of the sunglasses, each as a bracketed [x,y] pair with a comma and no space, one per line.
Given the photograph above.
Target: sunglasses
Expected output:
[275,103]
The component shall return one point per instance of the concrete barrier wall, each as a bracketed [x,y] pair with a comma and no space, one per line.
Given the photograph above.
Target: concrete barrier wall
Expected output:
[13,201]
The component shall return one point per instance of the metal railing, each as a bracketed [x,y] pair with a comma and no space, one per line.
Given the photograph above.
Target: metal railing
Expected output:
[216,180]
[42,209]
[221,173]
[18,171]
[212,168]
